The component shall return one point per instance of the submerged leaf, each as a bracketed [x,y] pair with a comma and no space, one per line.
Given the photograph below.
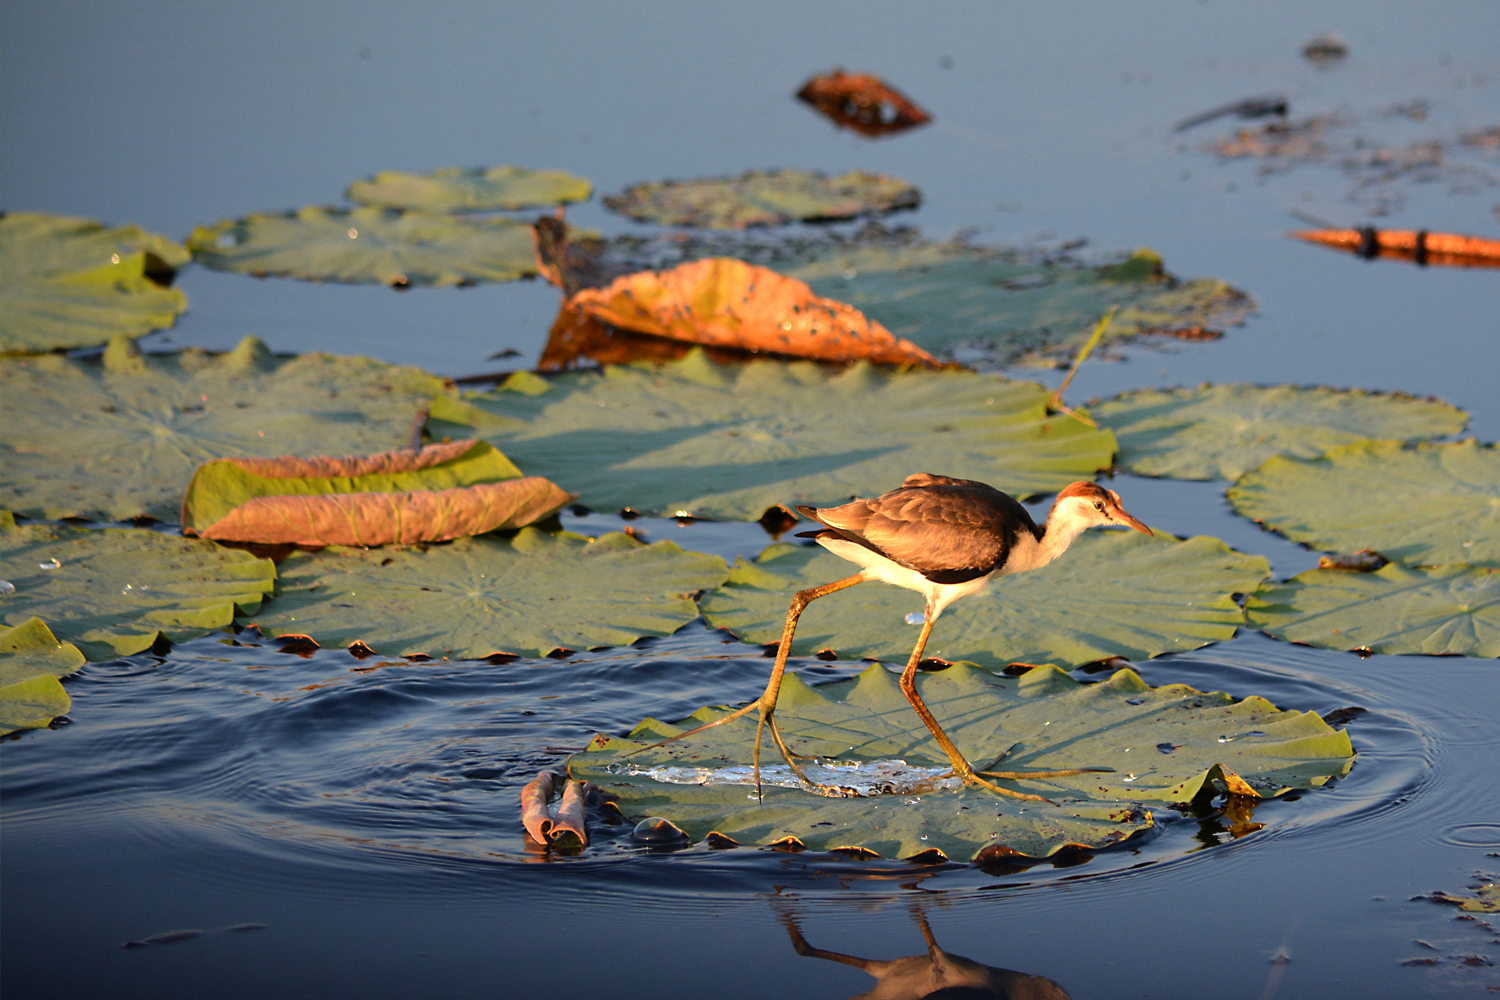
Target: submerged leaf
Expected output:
[1111,594]
[1042,721]
[442,491]
[1448,610]
[68,283]
[31,661]
[862,102]
[1423,504]
[116,591]
[477,189]
[764,198]
[729,441]
[119,437]
[726,303]
[473,597]
[1224,431]
[368,246]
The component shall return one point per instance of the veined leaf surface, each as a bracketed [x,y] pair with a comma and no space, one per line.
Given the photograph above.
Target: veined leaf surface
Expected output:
[1224,431]
[1166,745]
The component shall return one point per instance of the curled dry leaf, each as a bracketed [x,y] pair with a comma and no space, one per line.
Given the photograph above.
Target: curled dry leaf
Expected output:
[440,492]
[1418,246]
[541,826]
[726,303]
[862,102]
[534,799]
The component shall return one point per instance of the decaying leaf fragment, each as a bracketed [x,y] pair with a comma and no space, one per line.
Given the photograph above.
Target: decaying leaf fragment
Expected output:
[1418,246]
[862,102]
[440,492]
[726,303]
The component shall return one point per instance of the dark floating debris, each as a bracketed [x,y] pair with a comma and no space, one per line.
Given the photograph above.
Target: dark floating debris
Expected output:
[862,102]
[1250,107]
[1325,50]
[1363,561]
[1419,246]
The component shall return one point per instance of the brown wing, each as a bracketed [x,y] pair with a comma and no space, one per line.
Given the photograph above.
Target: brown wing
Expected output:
[949,530]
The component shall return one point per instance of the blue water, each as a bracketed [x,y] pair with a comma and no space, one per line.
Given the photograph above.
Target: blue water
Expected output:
[365,812]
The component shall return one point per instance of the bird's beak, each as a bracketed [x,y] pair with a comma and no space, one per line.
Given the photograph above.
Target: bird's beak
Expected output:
[1123,516]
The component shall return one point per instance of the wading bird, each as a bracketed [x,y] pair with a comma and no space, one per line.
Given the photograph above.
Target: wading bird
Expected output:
[944,538]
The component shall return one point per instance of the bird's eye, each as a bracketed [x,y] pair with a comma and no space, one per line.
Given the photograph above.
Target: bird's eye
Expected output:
[1099,506]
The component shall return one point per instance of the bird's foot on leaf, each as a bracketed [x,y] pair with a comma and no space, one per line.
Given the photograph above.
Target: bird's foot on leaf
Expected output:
[969,776]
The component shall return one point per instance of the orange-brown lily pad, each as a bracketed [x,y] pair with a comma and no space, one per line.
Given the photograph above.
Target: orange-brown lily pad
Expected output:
[726,303]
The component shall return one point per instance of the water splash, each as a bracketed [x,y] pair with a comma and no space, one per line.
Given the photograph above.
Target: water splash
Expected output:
[871,777]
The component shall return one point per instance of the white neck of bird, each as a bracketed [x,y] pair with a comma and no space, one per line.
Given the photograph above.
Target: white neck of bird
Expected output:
[1065,522]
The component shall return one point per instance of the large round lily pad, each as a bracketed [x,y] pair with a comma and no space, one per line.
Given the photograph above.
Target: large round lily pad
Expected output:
[477,189]
[1423,504]
[1224,431]
[1006,308]
[1111,594]
[68,283]
[764,198]
[1166,746]
[31,661]
[729,441]
[529,595]
[368,246]
[119,437]
[1445,610]
[115,591]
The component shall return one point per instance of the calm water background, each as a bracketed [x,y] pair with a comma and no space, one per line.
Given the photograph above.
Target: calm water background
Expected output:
[369,820]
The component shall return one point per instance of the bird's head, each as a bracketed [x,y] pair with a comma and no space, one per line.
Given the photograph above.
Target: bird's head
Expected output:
[1089,505]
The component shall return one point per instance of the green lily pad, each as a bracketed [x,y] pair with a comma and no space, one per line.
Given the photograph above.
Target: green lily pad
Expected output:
[1166,745]
[1224,431]
[468,599]
[1422,504]
[477,189]
[368,246]
[119,437]
[729,441]
[31,661]
[1005,308]
[1447,610]
[764,198]
[114,592]
[1111,594]
[67,283]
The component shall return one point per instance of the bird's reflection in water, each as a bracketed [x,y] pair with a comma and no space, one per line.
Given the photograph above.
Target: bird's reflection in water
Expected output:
[935,973]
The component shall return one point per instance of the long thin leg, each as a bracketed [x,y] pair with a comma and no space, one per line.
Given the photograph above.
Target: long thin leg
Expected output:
[961,767]
[773,687]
